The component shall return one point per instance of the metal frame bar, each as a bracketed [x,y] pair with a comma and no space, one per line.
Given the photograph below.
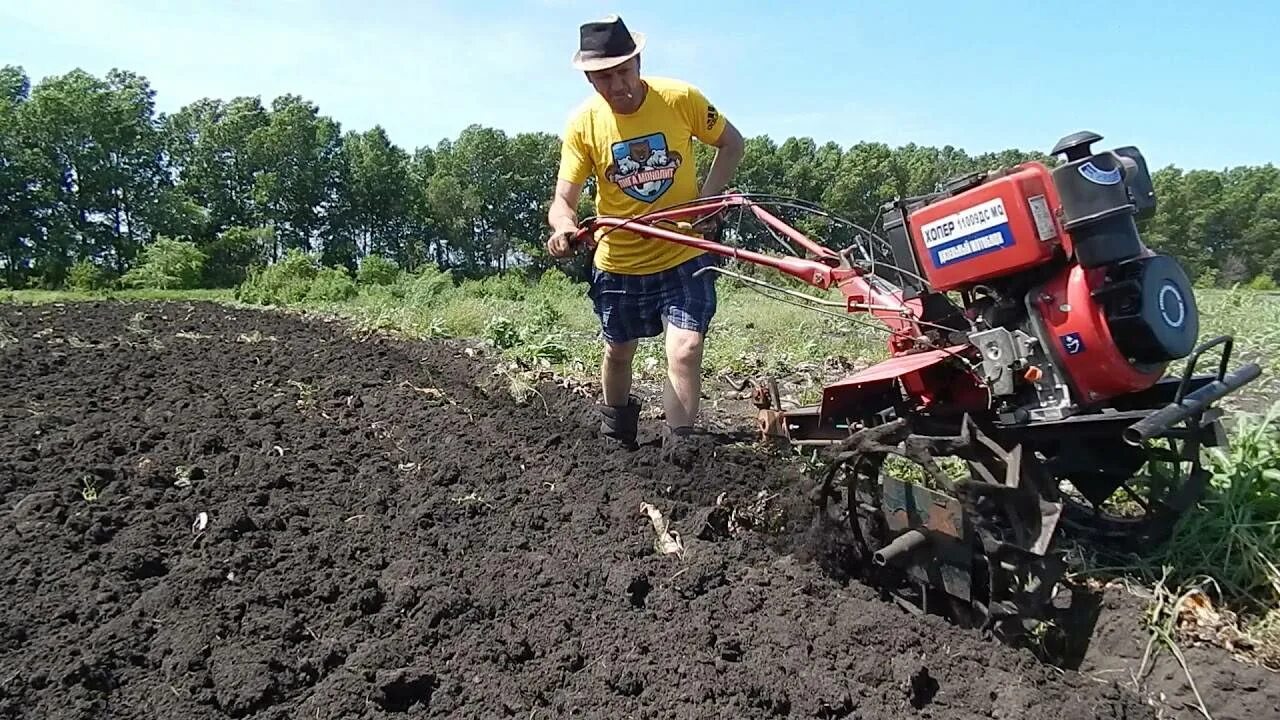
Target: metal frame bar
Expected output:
[833,259]
[813,273]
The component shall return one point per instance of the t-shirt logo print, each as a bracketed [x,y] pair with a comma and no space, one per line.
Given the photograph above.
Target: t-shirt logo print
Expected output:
[643,167]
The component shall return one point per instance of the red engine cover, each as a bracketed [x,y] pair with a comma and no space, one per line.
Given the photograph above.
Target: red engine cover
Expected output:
[992,230]
[1082,342]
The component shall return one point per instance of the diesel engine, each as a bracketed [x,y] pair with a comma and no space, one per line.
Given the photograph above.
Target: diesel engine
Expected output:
[1066,304]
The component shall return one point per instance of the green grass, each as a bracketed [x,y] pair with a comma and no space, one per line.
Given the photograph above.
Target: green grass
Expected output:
[37,297]
[1252,317]
[1236,537]
[551,324]
[752,334]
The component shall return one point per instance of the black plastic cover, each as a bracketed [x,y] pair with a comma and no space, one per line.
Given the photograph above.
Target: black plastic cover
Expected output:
[1096,209]
[1151,310]
[895,232]
[1142,190]
[1076,145]
[1106,242]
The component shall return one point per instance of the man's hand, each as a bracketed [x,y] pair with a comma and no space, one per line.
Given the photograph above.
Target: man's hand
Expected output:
[560,244]
[709,227]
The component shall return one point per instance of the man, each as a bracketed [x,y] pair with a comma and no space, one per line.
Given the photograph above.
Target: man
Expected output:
[635,135]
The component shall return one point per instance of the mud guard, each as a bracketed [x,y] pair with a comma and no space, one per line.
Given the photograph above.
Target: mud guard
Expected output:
[873,389]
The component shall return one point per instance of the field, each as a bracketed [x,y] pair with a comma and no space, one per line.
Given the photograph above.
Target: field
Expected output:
[226,512]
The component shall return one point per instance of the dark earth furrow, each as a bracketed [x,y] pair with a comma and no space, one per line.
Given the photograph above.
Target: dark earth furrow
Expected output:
[291,522]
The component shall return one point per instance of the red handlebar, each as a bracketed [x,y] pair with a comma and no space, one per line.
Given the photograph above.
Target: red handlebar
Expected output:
[828,269]
[582,237]
[811,272]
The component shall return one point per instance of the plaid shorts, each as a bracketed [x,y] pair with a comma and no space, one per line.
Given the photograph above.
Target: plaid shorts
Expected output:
[633,306]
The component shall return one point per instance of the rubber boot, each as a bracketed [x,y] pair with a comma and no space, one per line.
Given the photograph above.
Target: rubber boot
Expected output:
[621,423]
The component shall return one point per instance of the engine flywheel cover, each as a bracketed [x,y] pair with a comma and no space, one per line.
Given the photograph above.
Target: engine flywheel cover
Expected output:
[1164,322]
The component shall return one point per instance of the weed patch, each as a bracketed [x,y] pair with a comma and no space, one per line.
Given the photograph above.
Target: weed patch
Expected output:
[295,280]
[1223,554]
[1233,536]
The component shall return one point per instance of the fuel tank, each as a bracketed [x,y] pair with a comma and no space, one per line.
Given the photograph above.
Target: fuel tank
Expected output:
[993,229]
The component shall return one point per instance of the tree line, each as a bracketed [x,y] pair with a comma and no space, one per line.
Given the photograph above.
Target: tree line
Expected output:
[91,175]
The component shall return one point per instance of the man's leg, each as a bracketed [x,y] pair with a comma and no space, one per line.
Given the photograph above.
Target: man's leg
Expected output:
[626,315]
[619,409]
[616,372]
[682,392]
[688,308]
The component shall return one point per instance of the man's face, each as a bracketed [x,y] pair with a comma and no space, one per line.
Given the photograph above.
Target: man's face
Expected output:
[617,83]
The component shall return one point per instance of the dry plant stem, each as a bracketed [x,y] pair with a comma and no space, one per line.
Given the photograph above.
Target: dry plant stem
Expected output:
[1161,630]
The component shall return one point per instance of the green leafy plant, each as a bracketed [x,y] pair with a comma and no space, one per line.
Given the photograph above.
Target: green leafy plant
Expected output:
[555,284]
[234,251]
[297,278]
[502,332]
[86,276]
[331,285]
[544,315]
[286,282]
[167,264]
[505,286]
[547,348]
[434,328]
[1207,279]
[424,287]
[1262,282]
[1233,535]
[377,270]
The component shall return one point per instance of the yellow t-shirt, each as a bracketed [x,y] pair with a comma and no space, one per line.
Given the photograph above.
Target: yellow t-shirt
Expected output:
[642,162]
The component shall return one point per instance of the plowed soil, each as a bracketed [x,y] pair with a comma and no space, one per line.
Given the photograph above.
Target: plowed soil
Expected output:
[212,512]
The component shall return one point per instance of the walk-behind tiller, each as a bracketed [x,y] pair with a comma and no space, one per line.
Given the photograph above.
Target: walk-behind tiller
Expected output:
[1026,394]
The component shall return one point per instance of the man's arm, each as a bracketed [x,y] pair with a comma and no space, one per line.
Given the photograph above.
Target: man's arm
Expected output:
[563,217]
[575,168]
[729,150]
[711,127]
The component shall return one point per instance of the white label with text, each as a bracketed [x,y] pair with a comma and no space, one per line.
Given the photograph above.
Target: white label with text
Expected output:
[966,222]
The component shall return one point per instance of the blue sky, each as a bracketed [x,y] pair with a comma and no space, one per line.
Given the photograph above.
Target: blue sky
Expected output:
[1191,83]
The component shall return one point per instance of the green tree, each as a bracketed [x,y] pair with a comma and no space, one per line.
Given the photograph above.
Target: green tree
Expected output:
[208,147]
[377,194]
[425,241]
[297,181]
[91,176]
[469,192]
[98,166]
[20,191]
[533,160]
